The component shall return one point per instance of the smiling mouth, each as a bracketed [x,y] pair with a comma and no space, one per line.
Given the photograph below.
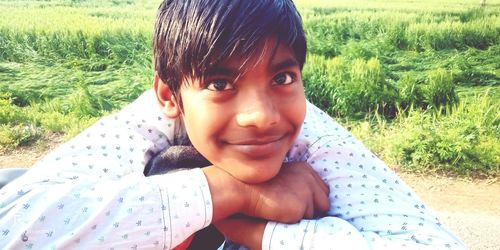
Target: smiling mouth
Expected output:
[258,141]
[258,147]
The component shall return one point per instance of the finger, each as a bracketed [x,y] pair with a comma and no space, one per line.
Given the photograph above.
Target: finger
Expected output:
[321,201]
[315,176]
[320,181]
[309,214]
[322,185]
[320,191]
[309,171]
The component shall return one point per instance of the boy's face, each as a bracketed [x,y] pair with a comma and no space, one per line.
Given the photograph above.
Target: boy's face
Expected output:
[243,125]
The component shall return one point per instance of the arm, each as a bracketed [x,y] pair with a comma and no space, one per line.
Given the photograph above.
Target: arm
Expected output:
[294,178]
[371,208]
[92,193]
[98,198]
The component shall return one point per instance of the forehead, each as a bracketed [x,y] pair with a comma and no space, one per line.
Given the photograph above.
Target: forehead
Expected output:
[267,53]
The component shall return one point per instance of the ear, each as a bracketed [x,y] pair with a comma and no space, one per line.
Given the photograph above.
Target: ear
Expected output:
[165,98]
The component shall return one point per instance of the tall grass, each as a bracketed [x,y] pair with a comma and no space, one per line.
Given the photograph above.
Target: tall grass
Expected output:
[463,139]
[388,69]
[121,46]
[353,88]
[328,31]
[431,6]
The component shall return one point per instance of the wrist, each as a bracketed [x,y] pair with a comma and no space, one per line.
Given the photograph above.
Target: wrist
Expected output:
[243,230]
[227,193]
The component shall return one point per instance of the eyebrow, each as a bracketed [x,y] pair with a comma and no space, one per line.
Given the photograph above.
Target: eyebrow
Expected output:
[287,63]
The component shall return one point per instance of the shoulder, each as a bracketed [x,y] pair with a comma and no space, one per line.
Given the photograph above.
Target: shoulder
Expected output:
[317,129]
[318,123]
[129,136]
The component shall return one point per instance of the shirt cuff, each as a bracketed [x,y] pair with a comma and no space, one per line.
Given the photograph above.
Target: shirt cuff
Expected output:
[324,233]
[186,204]
[284,236]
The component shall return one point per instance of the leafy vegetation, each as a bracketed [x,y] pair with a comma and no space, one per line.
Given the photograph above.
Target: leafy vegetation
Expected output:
[416,81]
[461,139]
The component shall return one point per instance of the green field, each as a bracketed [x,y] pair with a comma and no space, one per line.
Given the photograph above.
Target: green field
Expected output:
[416,81]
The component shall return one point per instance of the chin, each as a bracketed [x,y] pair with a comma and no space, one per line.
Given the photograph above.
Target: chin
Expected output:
[251,170]
[259,175]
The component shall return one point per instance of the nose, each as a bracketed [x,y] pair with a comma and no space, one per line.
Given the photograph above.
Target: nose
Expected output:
[258,111]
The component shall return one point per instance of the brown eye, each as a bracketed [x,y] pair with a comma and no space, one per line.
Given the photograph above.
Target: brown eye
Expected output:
[219,85]
[284,78]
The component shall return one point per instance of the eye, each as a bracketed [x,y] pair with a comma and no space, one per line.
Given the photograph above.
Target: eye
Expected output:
[219,85]
[284,78]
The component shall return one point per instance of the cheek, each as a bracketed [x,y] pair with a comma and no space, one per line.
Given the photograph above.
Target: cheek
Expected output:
[196,115]
[294,107]
[298,116]
[204,124]
[198,122]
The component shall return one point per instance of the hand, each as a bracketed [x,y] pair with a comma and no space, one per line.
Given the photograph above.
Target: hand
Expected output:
[243,230]
[297,192]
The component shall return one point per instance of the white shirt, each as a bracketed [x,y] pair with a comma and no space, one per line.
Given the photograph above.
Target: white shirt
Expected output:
[91,193]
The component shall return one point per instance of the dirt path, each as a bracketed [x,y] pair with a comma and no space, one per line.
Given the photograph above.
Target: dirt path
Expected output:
[470,208]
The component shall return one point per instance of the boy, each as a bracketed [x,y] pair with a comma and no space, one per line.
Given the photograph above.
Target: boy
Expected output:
[228,78]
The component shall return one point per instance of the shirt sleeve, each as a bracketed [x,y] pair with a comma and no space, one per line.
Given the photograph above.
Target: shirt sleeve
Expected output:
[153,212]
[371,207]
[91,193]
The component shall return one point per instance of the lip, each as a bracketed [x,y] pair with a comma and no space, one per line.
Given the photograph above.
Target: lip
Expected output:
[258,147]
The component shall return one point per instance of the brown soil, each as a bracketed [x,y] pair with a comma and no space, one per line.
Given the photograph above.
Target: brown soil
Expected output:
[471,208]
[27,156]
[24,157]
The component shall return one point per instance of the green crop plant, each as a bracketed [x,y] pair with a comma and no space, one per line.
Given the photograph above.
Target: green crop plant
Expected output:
[389,70]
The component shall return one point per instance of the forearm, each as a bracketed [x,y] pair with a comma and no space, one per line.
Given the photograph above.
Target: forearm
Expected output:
[156,212]
[228,194]
[369,202]
[250,230]
[336,233]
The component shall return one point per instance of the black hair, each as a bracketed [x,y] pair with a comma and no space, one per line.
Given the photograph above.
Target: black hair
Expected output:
[191,36]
